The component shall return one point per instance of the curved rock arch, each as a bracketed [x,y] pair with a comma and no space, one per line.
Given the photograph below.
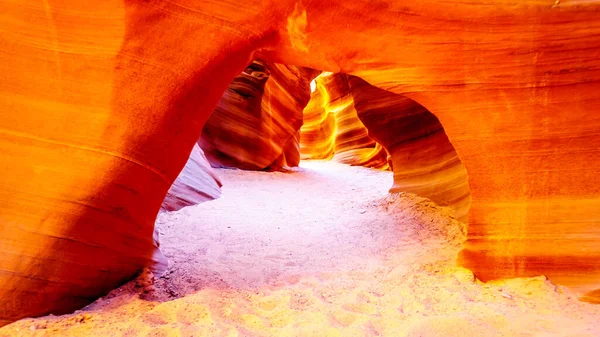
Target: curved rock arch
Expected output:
[424,161]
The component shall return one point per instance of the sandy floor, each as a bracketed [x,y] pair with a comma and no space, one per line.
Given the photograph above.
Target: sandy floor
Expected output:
[320,251]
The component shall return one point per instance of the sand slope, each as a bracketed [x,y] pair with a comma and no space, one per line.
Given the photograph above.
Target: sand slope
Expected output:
[320,251]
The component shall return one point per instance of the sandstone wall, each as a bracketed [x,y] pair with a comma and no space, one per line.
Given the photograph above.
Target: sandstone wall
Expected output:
[257,117]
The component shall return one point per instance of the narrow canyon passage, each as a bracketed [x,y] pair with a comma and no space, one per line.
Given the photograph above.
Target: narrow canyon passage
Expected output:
[322,250]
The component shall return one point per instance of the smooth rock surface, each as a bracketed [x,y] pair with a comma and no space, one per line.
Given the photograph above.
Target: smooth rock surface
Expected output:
[332,129]
[196,183]
[352,144]
[257,117]
[424,161]
[317,134]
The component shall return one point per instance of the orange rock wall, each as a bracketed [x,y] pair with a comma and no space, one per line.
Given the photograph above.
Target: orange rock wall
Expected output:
[535,207]
[516,88]
[102,101]
[101,104]
[423,160]
[291,150]
[256,118]
[352,143]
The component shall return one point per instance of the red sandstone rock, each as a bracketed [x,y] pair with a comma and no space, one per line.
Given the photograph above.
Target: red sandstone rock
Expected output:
[258,115]
[352,144]
[424,161]
[291,151]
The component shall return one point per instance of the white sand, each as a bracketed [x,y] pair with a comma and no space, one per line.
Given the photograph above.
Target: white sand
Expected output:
[321,251]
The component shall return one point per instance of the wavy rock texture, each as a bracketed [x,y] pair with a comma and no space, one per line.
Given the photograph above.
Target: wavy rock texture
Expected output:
[318,129]
[196,183]
[257,117]
[332,129]
[291,150]
[424,161]
[102,102]
[375,157]
[352,144]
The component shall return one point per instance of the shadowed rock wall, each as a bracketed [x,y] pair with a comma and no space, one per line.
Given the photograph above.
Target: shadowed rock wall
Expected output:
[196,183]
[257,117]
[423,160]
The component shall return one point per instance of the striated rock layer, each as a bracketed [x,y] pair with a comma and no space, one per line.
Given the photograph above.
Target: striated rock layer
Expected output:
[257,117]
[317,134]
[196,183]
[291,150]
[352,144]
[423,160]
[103,101]
[332,129]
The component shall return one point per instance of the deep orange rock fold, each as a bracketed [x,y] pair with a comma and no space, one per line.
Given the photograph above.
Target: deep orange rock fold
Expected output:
[256,121]
[423,159]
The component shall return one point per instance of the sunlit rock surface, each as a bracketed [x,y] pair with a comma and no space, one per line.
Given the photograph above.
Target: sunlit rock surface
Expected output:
[352,144]
[375,157]
[257,117]
[423,159]
[196,183]
[317,134]
[332,129]
[102,102]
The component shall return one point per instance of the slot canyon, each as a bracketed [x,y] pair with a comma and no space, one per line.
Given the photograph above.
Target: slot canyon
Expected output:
[300,168]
